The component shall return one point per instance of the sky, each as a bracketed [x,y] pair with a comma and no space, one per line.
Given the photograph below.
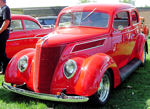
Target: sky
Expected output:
[48,3]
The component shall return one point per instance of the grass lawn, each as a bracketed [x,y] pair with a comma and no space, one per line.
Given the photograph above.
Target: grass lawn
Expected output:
[133,93]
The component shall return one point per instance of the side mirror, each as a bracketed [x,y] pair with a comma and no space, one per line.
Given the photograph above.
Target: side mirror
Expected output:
[120,27]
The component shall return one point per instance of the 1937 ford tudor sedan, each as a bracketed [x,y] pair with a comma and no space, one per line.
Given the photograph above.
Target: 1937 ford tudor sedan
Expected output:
[93,48]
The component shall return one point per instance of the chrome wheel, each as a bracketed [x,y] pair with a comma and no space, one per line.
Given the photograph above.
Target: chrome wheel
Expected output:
[103,91]
[104,88]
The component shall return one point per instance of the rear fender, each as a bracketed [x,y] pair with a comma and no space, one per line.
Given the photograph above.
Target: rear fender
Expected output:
[92,70]
[12,74]
[141,42]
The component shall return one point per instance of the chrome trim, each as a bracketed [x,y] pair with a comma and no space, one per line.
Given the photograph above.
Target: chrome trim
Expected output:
[44,39]
[104,88]
[24,56]
[24,38]
[68,77]
[43,96]
[87,42]
[40,34]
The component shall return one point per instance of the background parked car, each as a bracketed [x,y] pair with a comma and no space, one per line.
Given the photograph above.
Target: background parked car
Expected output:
[24,33]
[143,27]
[47,21]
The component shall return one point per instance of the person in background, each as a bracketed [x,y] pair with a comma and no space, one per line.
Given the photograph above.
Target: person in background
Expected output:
[5,19]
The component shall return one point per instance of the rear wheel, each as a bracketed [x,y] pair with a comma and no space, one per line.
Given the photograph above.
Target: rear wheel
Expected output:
[104,90]
[144,56]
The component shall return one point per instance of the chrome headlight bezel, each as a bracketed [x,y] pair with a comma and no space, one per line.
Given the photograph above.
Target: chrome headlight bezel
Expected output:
[70,67]
[23,63]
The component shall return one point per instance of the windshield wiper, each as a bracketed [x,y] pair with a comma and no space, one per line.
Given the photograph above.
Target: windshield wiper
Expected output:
[89,14]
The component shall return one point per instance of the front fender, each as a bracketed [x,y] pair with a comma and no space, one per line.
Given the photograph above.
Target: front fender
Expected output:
[12,74]
[92,70]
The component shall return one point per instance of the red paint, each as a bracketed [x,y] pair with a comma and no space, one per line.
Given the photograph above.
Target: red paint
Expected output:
[15,75]
[95,50]
[24,38]
[48,60]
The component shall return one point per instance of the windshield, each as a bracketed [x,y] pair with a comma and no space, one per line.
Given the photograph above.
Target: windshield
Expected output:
[91,19]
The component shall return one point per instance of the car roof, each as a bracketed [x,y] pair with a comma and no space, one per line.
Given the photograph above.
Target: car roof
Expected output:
[19,15]
[27,17]
[109,8]
[24,17]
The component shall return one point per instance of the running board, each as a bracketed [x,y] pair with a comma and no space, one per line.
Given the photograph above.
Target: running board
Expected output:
[129,68]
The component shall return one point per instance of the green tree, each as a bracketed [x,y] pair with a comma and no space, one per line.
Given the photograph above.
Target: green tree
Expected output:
[128,1]
[125,1]
[84,1]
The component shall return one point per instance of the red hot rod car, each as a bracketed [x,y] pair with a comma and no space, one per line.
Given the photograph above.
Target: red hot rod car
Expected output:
[93,48]
[25,31]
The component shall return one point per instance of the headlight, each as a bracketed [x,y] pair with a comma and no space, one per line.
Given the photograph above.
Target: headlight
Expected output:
[23,63]
[70,68]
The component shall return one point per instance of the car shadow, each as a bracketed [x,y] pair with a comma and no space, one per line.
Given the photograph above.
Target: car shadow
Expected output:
[10,97]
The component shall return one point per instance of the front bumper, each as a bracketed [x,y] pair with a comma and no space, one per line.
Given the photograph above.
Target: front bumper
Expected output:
[59,98]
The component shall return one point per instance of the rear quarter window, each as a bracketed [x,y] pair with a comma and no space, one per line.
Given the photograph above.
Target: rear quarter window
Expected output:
[134,16]
[30,25]
[121,19]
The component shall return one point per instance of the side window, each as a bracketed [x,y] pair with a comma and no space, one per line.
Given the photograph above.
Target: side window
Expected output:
[30,25]
[121,19]
[16,25]
[134,17]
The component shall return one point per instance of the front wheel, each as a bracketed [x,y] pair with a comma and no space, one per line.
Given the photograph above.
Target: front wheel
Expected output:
[104,90]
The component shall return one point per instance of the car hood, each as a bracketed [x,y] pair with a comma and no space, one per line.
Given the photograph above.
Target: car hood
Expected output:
[68,35]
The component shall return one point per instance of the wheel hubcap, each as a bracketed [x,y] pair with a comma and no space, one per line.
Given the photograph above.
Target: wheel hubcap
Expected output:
[104,88]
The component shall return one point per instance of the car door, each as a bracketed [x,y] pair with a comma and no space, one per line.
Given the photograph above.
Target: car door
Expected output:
[120,38]
[134,32]
[17,32]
